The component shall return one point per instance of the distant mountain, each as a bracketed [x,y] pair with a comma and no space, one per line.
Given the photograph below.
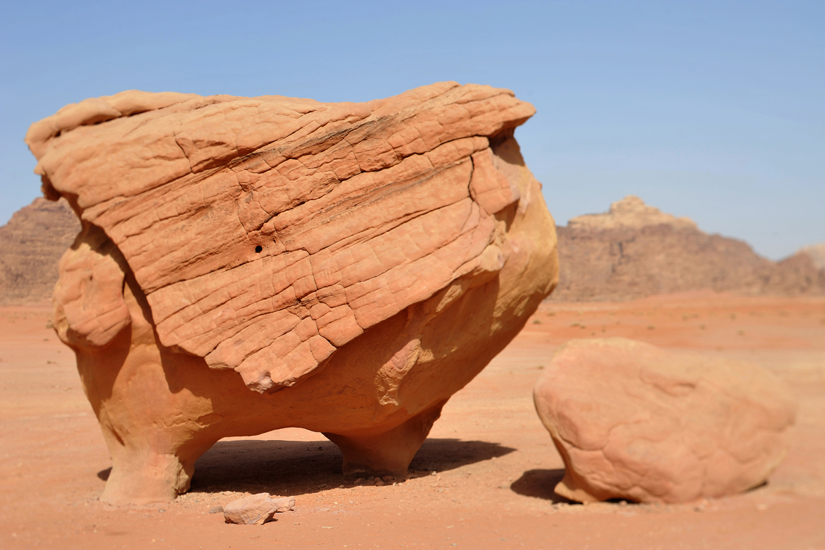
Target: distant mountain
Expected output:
[635,250]
[31,245]
[817,254]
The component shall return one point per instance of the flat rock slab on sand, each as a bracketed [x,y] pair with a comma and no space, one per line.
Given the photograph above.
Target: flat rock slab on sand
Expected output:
[256,509]
[637,422]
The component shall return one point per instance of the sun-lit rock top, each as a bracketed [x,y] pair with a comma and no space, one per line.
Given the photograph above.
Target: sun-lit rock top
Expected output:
[630,212]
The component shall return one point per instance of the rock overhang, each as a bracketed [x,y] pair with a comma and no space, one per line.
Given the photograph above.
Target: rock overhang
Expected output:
[268,232]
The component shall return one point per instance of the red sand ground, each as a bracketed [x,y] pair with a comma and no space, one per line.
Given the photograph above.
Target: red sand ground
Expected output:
[484,478]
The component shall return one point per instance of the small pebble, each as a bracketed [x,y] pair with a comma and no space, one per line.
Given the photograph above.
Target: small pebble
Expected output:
[216,510]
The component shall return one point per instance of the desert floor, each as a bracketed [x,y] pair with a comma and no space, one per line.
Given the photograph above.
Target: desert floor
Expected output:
[484,478]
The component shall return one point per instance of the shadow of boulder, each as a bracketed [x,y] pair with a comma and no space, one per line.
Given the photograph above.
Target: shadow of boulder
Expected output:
[540,484]
[298,467]
[447,454]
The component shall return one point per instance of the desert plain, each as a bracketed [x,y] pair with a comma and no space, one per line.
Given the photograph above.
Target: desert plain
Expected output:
[483,479]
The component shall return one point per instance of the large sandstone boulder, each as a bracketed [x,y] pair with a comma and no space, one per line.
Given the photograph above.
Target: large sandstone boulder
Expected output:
[248,264]
[637,422]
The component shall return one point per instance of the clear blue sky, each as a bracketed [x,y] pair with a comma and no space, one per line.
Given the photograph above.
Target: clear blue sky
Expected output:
[712,110]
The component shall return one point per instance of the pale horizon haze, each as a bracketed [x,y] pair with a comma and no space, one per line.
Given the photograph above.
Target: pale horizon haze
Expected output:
[710,110]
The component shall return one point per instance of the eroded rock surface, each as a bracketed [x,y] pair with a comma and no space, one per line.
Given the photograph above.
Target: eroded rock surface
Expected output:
[637,422]
[351,264]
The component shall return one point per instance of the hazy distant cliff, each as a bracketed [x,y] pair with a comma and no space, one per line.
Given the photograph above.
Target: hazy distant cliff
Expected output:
[636,250]
[31,245]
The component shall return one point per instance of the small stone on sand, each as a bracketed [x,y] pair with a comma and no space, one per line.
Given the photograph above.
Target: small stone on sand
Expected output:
[256,509]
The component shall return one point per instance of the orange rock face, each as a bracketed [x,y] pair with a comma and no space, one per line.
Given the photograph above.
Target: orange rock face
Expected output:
[248,264]
[634,421]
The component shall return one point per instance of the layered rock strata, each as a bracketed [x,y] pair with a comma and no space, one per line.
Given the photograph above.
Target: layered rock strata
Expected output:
[637,422]
[248,264]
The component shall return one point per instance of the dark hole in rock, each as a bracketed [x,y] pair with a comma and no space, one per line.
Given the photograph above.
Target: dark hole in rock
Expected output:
[258,248]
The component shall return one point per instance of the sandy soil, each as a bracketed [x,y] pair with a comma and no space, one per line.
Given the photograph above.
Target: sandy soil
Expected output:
[484,478]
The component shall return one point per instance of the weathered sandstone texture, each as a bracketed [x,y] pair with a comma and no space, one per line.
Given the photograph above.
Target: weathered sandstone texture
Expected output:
[637,422]
[249,264]
[30,247]
[635,250]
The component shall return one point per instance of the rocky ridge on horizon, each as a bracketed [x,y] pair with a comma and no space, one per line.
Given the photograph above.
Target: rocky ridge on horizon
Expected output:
[816,252]
[629,213]
[31,245]
[635,250]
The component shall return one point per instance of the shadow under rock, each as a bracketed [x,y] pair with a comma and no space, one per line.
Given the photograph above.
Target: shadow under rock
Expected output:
[298,467]
[540,484]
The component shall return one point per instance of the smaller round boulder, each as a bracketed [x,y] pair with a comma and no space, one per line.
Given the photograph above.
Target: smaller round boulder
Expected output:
[641,423]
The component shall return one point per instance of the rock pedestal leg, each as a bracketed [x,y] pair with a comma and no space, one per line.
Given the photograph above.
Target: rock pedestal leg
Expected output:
[146,477]
[389,452]
[154,426]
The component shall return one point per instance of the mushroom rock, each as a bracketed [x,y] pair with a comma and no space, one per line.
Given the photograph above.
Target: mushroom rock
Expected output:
[637,422]
[249,264]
